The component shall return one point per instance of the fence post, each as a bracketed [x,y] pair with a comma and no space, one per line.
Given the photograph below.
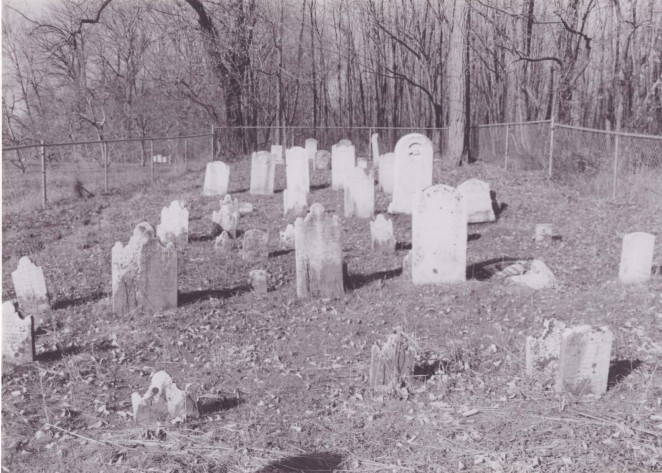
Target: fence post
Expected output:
[105,166]
[151,159]
[616,143]
[212,142]
[186,154]
[505,164]
[44,199]
[551,146]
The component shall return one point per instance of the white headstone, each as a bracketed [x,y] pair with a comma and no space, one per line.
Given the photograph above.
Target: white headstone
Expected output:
[318,254]
[478,201]
[17,336]
[381,233]
[374,141]
[360,194]
[174,223]
[295,202]
[386,172]
[542,231]
[227,217]
[255,246]
[144,273]
[412,170]
[343,161]
[322,160]
[287,236]
[257,279]
[163,402]
[217,178]
[311,148]
[439,236]
[636,258]
[30,287]
[263,172]
[297,169]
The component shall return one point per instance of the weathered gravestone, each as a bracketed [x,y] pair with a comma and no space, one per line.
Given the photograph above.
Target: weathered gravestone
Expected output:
[584,360]
[17,336]
[245,208]
[374,141]
[255,246]
[277,151]
[174,223]
[30,287]
[542,231]
[163,402]
[392,364]
[287,236]
[412,170]
[381,233]
[297,169]
[217,178]
[636,258]
[257,279]
[227,217]
[343,162]
[295,202]
[537,276]
[263,172]
[386,170]
[144,273]
[322,160]
[311,148]
[318,254]
[224,243]
[360,194]
[477,200]
[542,353]
[439,236]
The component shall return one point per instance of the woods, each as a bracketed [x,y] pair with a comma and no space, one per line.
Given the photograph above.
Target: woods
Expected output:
[78,70]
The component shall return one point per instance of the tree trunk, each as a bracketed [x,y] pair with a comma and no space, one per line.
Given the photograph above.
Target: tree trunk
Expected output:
[456,85]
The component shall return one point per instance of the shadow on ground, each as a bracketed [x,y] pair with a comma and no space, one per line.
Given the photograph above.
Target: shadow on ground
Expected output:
[211,406]
[357,281]
[319,462]
[65,303]
[186,298]
[620,369]
[57,354]
[485,269]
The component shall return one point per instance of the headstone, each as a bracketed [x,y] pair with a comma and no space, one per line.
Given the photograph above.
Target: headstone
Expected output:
[163,402]
[295,202]
[17,336]
[144,273]
[362,163]
[360,194]
[343,162]
[277,151]
[406,267]
[224,243]
[381,232]
[478,201]
[439,236]
[392,364]
[287,236]
[227,217]
[311,148]
[174,223]
[258,280]
[245,208]
[386,172]
[538,276]
[263,172]
[318,254]
[542,231]
[412,171]
[322,160]
[636,258]
[255,247]
[30,287]
[374,141]
[297,169]
[584,360]
[217,178]
[542,353]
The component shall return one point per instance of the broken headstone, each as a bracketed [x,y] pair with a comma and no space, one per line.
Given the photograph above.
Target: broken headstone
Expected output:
[538,276]
[17,336]
[392,364]
[30,287]
[542,353]
[162,402]
[174,223]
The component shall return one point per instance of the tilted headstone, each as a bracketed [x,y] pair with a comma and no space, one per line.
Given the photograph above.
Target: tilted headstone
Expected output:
[360,194]
[257,279]
[343,162]
[30,287]
[322,160]
[17,336]
[144,273]
[439,236]
[174,223]
[542,231]
[478,201]
[163,402]
[386,172]
[295,202]
[217,178]
[255,246]
[318,254]
[263,172]
[392,364]
[636,258]
[374,141]
[412,170]
[311,148]
[297,169]
[287,236]
[584,360]
[277,151]
[227,217]
[542,353]
[381,232]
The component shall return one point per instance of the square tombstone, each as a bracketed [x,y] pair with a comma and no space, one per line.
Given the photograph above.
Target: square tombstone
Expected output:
[227,217]
[318,255]
[144,273]
[386,172]
[297,169]
[343,162]
[439,236]
[263,173]
[584,360]
[374,143]
[360,194]
[17,336]
[174,223]
[636,258]
[381,233]
[412,170]
[277,151]
[322,160]
[257,279]
[217,178]
[542,231]
[478,201]
[255,247]
[30,287]
[295,203]
[311,148]
[542,353]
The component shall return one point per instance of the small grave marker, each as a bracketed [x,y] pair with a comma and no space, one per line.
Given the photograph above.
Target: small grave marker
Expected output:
[392,364]
[636,258]
[224,243]
[17,336]
[381,232]
[255,246]
[174,223]
[217,177]
[295,202]
[542,231]
[227,217]
[477,200]
[163,402]
[322,160]
[542,353]
[30,287]
[311,148]
[258,280]
[359,194]
[287,236]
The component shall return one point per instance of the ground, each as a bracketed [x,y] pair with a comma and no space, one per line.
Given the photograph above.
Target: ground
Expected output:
[283,383]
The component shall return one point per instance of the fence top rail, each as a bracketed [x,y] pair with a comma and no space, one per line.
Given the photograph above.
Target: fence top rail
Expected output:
[606,132]
[513,123]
